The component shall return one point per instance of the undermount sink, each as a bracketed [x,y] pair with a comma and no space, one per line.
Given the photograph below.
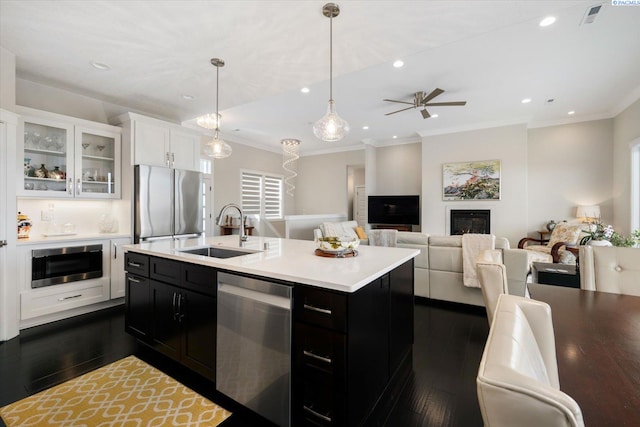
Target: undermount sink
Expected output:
[216,252]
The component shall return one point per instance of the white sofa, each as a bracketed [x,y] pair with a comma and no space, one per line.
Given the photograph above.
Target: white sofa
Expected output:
[517,380]
[438,268]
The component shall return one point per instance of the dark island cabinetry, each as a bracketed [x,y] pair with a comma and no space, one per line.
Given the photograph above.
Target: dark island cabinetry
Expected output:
[352,351]
[173,310]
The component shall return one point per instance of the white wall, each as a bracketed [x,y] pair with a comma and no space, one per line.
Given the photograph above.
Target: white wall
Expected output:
[7,79]
[626,128]
[507,144]
[398,169]
[570,165]
[322,182]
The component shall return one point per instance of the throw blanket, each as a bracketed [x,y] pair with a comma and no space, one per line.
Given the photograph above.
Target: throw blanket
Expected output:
[383,238]
[472,246]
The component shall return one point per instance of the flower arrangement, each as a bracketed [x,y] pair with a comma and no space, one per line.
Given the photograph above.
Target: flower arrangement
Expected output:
[598,231]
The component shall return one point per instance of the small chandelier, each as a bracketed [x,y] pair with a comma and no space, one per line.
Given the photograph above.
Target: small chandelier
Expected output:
[216,147]
[331,127]
[290,162]
[209,121]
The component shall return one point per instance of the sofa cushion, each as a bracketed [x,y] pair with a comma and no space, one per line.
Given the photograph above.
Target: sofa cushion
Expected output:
[452,241]
[566,233]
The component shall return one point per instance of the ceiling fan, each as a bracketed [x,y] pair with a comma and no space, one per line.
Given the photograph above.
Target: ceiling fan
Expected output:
[420,100]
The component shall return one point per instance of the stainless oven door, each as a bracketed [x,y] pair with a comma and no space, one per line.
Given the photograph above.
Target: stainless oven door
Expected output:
[63,265]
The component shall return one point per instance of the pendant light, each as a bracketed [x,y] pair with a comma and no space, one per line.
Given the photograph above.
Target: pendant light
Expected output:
[290,158]
[216,148]
[331,127]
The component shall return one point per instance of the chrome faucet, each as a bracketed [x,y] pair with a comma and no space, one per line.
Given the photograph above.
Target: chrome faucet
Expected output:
[243,237]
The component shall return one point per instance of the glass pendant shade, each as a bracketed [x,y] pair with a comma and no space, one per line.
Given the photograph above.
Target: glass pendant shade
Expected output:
[217,148]
[209,121]
[331,127]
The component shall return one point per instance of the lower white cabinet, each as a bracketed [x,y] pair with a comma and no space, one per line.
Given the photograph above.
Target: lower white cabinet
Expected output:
[57,298]
[117,275]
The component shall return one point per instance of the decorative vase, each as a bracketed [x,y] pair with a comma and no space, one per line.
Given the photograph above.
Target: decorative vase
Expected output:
[24,226]
[551,225]
[599,243]
[28,169]
[56,173]
[42,172]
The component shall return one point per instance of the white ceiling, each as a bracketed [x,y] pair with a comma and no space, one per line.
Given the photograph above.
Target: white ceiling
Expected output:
[491,54]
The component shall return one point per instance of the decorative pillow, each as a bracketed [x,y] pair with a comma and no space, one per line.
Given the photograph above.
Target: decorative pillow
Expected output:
[360,232]
[565,232]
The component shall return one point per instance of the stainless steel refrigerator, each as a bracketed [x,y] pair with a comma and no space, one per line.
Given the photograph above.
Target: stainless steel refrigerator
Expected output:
[167,203]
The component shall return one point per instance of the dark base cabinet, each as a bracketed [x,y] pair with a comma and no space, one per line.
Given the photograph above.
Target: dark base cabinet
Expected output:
[174,310]
[352,350]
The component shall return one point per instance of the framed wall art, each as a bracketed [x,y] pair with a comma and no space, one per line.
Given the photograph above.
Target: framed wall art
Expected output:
[478,180]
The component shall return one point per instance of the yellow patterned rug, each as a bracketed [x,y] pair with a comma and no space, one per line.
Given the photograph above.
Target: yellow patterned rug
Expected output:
[125,393]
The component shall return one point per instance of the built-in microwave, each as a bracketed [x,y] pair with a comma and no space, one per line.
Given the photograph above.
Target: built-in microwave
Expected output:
[63,265]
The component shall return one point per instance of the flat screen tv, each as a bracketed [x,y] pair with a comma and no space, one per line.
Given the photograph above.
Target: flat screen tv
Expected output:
[394,210]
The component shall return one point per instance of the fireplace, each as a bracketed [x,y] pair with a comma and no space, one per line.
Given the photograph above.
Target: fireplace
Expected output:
[464,221]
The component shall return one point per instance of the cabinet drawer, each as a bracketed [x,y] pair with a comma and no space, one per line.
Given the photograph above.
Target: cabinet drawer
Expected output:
[36,303]
[199,278]
[321,308]
[165,270]
[319,405]
[321,350]
[136,264]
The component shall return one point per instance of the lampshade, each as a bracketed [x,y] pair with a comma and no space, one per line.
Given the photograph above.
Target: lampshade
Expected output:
[331,127]
[588,211]
[290,162]
[216,147]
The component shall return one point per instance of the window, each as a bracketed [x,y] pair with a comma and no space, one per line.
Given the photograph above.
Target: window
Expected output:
[261,194]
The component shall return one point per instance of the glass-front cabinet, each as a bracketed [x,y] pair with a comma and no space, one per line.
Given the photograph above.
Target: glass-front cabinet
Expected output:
[67,160]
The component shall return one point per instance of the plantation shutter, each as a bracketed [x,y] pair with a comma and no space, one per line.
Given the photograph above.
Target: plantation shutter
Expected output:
[261,194]
[272,197]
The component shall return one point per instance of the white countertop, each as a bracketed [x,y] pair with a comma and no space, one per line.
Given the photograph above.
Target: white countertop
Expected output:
[37,239]
[287,259]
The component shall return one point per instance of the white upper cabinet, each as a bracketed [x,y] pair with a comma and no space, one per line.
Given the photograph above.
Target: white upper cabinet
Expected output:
[64,157]
[158,143]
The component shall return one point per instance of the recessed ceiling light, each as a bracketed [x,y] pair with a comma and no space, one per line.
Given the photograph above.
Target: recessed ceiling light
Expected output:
[571,112]
[304,90]
[434,115]
[399,63]
[395,136]
[187,97]
[547,21]
[100,66]
[365,127]
[526,100]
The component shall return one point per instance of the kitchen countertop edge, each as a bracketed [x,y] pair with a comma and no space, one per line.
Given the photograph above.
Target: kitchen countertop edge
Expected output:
[287,260]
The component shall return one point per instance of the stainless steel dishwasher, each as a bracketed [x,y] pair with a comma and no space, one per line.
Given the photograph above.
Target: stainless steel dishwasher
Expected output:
[253,355]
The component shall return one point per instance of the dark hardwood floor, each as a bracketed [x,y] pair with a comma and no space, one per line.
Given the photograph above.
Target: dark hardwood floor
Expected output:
[441,391]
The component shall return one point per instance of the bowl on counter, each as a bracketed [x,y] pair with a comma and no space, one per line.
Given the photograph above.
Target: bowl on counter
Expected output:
[337,244]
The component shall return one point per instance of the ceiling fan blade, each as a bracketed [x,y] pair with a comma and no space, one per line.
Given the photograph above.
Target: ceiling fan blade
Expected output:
[401,102]
[425,114]
[404,109]
[433,94]
[442,104]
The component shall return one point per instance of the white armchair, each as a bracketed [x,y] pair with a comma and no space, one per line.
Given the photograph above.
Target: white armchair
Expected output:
[517,379]
[610,269]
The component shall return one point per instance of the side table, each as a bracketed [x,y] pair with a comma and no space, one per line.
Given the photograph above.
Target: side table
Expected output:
[556,274]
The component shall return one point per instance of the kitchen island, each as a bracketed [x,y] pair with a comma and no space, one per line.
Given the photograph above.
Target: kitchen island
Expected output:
[350,322]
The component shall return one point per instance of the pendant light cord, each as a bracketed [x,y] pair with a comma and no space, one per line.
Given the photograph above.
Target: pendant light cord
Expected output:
[217,96]
[331,58]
